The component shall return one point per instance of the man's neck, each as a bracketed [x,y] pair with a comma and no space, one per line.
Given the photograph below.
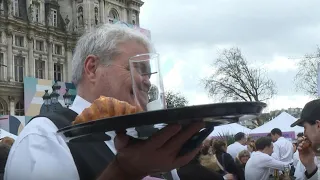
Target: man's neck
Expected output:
[240,142]
[263,151]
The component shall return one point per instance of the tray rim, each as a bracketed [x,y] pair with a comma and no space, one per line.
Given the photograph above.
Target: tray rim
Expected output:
[194,107]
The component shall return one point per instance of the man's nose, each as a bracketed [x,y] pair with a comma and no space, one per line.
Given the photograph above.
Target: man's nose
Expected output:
[146,82]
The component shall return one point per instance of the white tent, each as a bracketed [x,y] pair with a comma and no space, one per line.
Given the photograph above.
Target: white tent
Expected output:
[282,121]
[4,133]
[229,129]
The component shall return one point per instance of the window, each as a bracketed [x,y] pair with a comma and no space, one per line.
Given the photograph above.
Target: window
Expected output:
[19,110]
[37,12]
[40,69]
[3,107]
[113,15]
[39,46]
[15,8]
[58,49]
[54,17]
[58,72]
[1,67]
[19,41]
[19,68]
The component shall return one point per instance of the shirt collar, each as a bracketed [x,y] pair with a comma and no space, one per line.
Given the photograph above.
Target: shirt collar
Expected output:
[79,104]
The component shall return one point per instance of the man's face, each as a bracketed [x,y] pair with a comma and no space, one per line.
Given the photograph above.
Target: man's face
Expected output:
[312,132]
[274,137]
[115,80]
[269,149]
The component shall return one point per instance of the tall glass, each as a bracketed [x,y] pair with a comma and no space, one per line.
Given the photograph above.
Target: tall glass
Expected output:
[147,81]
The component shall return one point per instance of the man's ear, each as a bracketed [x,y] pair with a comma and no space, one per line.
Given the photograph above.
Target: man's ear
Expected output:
[90,66]
[318,124]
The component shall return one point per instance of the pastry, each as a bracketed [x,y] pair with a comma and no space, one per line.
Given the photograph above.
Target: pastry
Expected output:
[105,107]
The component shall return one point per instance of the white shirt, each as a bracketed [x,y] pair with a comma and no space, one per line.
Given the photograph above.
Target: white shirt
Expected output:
[235,148]
[40,153]
[283,150]
[259,165]
[296,158]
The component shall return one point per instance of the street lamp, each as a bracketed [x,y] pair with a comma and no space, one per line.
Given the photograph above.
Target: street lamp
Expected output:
[56,87]
[67,98]
[47,99]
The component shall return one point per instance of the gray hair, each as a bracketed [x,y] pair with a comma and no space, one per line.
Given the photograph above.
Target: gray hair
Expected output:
[103,42]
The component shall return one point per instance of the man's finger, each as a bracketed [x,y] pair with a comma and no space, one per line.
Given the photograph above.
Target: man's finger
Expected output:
[178,140]
[162,136]
[121,141]
[185,159]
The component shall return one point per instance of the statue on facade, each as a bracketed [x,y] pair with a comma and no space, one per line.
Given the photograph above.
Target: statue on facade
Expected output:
[80,16]
[49,19]
[10,12]
[30,9]
[96,16]
[67,21]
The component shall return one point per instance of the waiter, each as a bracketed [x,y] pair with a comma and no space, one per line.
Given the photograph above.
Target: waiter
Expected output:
[100,67]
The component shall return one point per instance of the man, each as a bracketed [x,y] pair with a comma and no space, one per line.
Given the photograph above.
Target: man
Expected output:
[238,145]
[310,120]
[260,162]
[100,67]
[283,149]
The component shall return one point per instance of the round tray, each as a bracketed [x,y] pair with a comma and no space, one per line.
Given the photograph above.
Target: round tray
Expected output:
[212,114]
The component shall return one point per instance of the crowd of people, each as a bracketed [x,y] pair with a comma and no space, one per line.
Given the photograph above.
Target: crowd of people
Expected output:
[265,158]
[100,67]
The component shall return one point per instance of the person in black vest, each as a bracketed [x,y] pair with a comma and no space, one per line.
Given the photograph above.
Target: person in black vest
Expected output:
[99,67]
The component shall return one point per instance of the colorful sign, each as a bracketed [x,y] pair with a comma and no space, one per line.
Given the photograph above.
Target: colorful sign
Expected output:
[35,88]
[13,124]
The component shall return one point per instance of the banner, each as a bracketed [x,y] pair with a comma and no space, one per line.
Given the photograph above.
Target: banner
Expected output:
[35,88]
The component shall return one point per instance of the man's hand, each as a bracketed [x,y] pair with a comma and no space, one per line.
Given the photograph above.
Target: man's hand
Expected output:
[156,154]
[307,157]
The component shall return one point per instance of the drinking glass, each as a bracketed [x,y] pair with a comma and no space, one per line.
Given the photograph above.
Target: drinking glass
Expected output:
[147,81]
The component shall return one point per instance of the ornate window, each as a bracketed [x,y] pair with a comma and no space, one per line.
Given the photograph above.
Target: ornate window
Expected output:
[54,17]
[58,49]
[19,67]
[37,12]
[113,15]
[3,107]
[19,110]
[58,72]
[15,8]
[39,45]
[19,41]
[40,68]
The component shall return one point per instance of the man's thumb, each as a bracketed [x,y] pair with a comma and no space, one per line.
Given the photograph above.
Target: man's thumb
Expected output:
[121,141]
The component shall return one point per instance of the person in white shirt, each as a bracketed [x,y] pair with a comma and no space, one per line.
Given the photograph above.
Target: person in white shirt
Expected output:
[296,157]
[310,120]
[99,68]
[260,163]
[282,148]
[238,145]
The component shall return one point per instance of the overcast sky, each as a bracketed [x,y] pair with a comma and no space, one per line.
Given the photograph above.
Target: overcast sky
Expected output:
[189,34]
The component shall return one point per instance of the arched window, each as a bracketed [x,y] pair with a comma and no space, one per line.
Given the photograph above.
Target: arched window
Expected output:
[3,107]
[113,15]
[19,110]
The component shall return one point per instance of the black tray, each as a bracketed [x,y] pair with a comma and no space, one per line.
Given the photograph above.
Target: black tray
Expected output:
[212,114]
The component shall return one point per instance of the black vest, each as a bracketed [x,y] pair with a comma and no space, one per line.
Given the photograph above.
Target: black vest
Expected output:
[91,158]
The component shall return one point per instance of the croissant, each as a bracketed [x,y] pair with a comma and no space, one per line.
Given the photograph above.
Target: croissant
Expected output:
[105,107]
[307,144]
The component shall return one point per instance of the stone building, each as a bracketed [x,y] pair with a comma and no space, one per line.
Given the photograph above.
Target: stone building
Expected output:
[37,38]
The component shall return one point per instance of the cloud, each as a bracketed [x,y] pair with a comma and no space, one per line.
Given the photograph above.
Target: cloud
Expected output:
[189,35]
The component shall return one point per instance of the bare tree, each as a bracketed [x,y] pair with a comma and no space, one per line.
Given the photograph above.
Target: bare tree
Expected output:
[234,79]
[175,99]
[306,78]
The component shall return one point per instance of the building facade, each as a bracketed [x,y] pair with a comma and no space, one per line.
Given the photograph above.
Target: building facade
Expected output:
[37,38]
